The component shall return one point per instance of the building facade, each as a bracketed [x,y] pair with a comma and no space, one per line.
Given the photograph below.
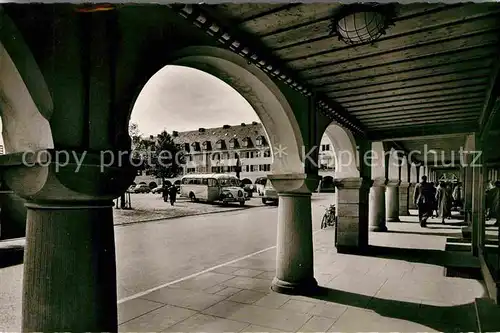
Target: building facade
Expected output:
[217,150]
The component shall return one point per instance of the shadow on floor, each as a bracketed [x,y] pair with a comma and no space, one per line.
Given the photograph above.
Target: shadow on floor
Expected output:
[459,318]
[11,256]
[424,256]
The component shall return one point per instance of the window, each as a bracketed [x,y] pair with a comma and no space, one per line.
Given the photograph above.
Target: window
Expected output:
[233,143]
[260,140]
[327,147]
[246,142]
[216,156]
[247,168]
[218,144]
[267,153]
[225,156]
[212,182]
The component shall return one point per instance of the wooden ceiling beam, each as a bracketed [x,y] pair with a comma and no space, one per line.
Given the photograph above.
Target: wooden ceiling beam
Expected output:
[336,72]
[381,123]
[353,60]
[458,102]
[448,70]
[430,89]
[425,98]
[426,111]
[390,117]
[422,131]
[433,121]
[445,80]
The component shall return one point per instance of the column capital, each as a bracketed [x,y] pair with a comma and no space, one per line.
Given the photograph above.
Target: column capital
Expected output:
[46,180]
[379,182]
[393,182]
[298,183]
[352,183]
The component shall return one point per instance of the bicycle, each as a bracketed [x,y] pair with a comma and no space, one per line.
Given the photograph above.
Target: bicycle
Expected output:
[329,218]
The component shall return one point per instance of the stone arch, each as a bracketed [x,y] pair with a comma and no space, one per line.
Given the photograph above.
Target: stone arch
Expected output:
[344,150]
[271,106]
[246,181]
[25,101]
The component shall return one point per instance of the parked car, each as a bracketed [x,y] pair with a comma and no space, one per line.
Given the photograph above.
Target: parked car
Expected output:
[142,188]
[131,188]
[158,189]
[270,195]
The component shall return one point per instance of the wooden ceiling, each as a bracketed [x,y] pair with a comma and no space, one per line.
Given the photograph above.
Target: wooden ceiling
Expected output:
[430,73]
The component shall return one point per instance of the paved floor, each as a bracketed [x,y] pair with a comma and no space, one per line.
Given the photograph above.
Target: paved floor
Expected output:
[154,253]
[402,289]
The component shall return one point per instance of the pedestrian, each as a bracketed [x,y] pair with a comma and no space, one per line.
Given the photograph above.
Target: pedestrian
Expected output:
[495,202]
[457,196]
[173,194]
[424,200]
[164,192]
[443,198]
[434,201]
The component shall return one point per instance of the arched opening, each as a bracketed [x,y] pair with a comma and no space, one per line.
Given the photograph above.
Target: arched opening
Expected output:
[206,148]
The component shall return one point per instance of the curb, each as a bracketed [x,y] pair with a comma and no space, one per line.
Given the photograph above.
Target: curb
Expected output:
[187,215]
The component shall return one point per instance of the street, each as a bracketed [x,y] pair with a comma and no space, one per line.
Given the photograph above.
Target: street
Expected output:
[152,254]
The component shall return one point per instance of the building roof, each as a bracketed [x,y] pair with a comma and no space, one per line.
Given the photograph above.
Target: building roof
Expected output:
[226,133]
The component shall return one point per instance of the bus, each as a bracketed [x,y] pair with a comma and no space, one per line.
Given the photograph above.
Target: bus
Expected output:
[222,188]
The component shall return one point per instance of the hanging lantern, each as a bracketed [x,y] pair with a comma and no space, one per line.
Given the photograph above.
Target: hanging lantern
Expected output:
[362,22]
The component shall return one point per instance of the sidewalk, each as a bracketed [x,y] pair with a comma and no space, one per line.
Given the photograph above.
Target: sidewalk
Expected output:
[400,288]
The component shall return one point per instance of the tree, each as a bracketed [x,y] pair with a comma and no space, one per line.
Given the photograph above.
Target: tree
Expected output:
[135,134]
[166,159]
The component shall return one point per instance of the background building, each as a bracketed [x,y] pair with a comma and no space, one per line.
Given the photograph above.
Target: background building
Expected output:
[216,150]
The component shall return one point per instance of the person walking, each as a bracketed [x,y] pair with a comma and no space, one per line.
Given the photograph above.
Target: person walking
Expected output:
[495,202]
[164,192]
[173,194]
[434,201]
[424,200]
[443,199]
[457,196]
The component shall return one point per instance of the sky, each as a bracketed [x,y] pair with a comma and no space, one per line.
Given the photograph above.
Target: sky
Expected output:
[180,99]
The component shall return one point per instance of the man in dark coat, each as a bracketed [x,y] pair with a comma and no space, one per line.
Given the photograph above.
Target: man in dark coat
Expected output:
[423,198]
[172,191]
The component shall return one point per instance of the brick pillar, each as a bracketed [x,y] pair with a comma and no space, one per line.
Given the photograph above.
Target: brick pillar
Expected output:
[351,234]
[404,199]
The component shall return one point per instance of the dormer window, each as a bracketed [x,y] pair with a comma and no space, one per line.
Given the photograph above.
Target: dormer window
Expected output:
[233,143]
[219,144]
[260,141]
[207,145]
[187,147]
[247,142]
[196,146]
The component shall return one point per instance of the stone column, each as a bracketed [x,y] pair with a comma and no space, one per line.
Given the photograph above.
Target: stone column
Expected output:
[376,206]
[351,234]
[294,247]
[411,190]
[404,199]
[392,201]
[69,281]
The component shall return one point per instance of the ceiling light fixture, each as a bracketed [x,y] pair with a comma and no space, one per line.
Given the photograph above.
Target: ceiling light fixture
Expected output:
[362,22]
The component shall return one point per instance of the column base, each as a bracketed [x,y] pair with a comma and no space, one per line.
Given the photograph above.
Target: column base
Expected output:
[393,219]
[380,228]
[294,288]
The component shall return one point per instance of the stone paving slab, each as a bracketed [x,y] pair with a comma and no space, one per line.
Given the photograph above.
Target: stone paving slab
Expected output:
[357,293]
